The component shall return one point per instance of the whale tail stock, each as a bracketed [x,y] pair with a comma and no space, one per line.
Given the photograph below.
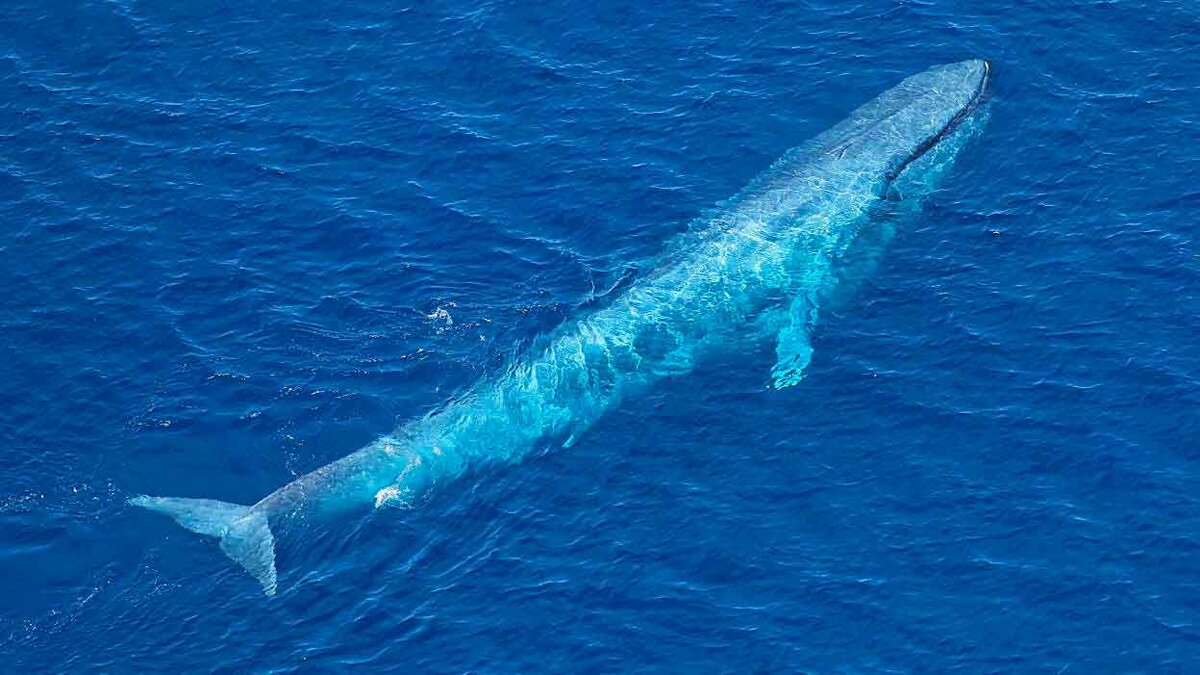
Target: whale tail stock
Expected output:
[244,532]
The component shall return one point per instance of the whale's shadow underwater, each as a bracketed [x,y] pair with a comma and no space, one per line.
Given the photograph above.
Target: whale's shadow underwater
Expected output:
[762,266]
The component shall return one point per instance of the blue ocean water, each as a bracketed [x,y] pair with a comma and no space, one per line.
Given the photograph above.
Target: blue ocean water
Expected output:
[244,239]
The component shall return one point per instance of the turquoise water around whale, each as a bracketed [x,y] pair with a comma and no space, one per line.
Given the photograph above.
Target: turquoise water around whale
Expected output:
[242,241]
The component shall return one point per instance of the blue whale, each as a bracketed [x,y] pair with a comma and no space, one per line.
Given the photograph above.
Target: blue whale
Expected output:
[757,267]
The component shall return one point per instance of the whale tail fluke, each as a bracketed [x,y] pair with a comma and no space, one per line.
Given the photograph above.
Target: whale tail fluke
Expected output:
[244,532]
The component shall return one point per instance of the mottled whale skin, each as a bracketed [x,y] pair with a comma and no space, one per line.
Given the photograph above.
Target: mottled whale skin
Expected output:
[755,268]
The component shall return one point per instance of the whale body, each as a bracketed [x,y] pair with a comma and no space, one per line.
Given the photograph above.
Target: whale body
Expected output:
[756,267]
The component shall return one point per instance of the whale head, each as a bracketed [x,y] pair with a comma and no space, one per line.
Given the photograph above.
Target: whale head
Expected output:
[944,97]
[890,132]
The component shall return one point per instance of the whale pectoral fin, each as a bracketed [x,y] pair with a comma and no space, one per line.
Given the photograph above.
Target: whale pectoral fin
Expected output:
[793,347]
[793,354]
[244,533]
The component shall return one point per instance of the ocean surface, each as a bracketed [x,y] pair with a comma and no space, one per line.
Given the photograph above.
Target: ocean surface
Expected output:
[243,239]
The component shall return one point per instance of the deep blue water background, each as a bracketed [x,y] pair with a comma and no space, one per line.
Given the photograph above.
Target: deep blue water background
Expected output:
[226,227]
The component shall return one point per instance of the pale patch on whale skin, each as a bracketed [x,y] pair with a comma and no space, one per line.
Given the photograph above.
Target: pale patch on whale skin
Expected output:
[386,495]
